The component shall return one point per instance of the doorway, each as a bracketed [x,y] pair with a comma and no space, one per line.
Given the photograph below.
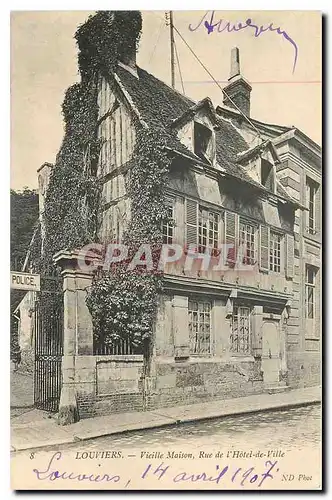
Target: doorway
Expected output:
[271,352]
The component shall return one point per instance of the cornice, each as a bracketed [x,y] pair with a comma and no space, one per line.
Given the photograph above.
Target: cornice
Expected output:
[224,289]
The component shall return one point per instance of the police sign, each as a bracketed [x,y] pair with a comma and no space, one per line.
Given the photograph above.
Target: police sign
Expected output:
[25,281]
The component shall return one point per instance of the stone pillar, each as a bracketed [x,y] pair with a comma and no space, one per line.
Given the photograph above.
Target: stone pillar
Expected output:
[220,329]
[228,310]
[164,344]
[84,320]
[69,312]
[257,328]
[78,332]
[181,327]
[283,340]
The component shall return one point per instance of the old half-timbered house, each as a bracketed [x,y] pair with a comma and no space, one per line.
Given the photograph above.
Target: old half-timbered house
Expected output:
[236,331]
[250,325]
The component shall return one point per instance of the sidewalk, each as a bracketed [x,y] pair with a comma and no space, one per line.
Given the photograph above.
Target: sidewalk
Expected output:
[21,390]
[35,429]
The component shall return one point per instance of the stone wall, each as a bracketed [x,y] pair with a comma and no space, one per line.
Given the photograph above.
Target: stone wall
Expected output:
[101,385]
[304,334]
[113,384]
[179,383]
[195,381]
[108,384]
[304,369]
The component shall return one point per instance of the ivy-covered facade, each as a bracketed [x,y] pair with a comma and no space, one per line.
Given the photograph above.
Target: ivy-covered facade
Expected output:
[166,169]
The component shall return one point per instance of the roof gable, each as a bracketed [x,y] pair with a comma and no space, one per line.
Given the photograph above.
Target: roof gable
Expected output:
[205,106]
[265,150]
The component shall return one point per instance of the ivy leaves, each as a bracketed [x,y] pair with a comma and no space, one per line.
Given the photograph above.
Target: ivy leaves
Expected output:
[106,37]
[124,303]
[146,187]
[123,306]
[72,197]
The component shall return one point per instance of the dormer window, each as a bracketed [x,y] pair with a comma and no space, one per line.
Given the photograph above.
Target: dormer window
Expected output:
[267,175]
[203,142]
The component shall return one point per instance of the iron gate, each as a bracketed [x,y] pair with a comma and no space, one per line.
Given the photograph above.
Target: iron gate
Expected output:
[48,338]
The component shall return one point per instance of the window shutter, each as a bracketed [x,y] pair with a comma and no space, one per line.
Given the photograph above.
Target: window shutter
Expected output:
[264,244]
[307,195]
[191,222]
[289,256]
[230,236]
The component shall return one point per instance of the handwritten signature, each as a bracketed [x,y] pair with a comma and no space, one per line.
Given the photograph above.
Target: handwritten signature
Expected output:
[51,473]
[237,475]
[227,26]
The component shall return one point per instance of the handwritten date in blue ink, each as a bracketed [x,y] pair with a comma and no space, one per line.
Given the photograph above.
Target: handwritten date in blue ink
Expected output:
[239,476]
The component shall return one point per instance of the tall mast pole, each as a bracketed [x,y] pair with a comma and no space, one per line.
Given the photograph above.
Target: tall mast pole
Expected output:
[171,28]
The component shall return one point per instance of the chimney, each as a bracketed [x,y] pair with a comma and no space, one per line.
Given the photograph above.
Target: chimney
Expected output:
[129,22]
[237,91]
[129,59]
[108,32]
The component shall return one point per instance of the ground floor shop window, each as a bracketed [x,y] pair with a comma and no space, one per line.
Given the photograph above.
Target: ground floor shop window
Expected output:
[240,334]
[199,326]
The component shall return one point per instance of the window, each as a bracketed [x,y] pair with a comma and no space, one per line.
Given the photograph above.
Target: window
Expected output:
[267,175]
[207,231]
[202,139]
[168,224]
[311,203]
[310,292]
[275,252]
[240,335]
[247,243]
[199,326]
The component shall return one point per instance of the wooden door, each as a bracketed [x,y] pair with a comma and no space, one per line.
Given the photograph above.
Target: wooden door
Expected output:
[271,352]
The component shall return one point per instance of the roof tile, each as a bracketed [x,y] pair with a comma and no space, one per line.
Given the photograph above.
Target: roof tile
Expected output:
[159,105]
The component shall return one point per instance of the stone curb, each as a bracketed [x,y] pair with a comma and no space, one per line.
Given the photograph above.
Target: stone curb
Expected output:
[230,413]
[56,442]
[22,407]
[165,421]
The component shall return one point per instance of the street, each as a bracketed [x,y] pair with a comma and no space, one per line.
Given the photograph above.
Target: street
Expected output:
[287,440]
[291,429]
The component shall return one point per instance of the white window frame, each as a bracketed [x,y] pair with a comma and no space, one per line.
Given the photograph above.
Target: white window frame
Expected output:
[310,287]
[208,230]
[248,241]
[199,325]
[275,261]
[241,343]
[312,187]
[168,227]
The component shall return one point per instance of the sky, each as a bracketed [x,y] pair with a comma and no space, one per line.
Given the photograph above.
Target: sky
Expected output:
[44,65]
